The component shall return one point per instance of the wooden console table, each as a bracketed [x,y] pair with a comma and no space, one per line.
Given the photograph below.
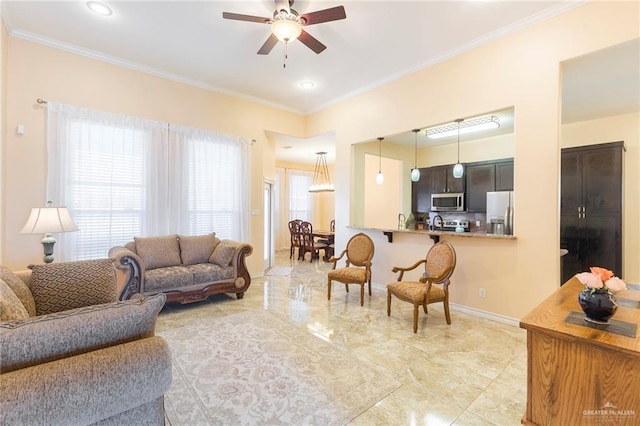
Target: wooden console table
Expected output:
[579,374]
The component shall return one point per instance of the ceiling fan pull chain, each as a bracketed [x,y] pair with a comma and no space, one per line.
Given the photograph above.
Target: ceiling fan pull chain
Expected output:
[284,63]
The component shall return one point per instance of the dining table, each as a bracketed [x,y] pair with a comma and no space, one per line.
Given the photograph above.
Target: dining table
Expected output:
[328,236]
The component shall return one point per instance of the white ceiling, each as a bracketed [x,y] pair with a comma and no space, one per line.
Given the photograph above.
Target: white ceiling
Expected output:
[378,42]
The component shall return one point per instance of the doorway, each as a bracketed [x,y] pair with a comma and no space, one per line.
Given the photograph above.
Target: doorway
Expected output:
[268,208]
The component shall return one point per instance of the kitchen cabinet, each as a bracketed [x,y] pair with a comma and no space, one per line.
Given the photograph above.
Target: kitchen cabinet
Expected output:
[591,208]
[504,176]
[443,180]
[421,191]
[486,176]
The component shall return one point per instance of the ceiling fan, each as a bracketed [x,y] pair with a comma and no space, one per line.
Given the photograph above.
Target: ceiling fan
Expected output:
[287,23]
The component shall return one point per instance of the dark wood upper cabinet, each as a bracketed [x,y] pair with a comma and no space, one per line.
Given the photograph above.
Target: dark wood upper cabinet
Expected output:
[591,208]
[504,176]
[443,180]
[486,176]
[481,178]
[421,191]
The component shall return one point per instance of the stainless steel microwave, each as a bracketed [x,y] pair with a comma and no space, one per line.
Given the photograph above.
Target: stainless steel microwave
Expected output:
[447,202]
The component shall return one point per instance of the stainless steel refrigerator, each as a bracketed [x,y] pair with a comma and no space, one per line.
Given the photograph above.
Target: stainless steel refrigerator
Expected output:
[500,208]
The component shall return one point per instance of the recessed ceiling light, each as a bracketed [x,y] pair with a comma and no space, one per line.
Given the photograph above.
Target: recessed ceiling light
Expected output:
[99,8]
[307,84]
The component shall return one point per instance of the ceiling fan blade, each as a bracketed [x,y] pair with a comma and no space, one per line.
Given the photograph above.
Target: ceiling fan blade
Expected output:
[268,45]
[247,18]
[320,16]
[282,4]
[311,42]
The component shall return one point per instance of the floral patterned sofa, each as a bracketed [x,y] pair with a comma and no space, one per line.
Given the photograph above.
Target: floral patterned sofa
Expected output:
[185,268]
[71,353]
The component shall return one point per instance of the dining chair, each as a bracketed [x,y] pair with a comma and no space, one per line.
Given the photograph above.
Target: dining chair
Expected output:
[357,269]
[296,238]
[309,245]
[432,287]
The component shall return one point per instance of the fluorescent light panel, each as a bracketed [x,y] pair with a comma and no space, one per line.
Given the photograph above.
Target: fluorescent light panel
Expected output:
[471,125]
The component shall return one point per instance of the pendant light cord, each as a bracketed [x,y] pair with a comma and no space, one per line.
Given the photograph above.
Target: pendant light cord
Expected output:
[380,155]
[415,154]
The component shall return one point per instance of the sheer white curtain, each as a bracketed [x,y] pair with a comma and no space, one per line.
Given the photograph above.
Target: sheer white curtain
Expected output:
[300,200]
[110,171]
[281,210]
[123,177]
[210,183]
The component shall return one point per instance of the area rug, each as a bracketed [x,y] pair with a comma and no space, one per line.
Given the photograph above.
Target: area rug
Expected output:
[279,272]
[256,368]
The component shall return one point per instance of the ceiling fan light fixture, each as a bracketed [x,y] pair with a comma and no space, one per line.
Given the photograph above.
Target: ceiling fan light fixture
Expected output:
[286,26]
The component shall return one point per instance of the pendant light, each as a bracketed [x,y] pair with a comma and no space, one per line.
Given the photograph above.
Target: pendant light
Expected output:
[321,181]
[458,169]
[379,176]
[415,172]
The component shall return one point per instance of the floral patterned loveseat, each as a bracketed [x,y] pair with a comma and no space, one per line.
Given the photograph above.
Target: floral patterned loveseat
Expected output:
[185,268]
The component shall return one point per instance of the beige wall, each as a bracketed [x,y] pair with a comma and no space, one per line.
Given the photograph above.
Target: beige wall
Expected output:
[521,70]
[3,107]
[35,71]
[614,129]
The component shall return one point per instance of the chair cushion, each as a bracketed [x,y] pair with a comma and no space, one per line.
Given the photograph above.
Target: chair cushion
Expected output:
[11,308]
[68,285]
[348,275]
[197,249]
[222,255]
[158,252]
[415,290]
[50,337]
[19,288]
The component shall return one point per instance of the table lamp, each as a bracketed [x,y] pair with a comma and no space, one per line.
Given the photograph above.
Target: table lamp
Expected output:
[48,220]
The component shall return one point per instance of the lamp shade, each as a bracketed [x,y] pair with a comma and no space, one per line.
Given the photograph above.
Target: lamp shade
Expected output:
[48,220]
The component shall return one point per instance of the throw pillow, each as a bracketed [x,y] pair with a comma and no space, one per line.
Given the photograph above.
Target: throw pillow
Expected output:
[19,288]
[222,255]
[55,336]
[158,252]
[11,308]
[196,249]
[68,285]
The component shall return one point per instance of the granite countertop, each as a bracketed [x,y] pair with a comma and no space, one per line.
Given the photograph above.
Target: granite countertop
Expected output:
[446,233]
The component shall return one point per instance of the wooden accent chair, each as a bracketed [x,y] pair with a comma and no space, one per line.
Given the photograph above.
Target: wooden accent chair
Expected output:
[439,265]
[357,270]
[308,243]
[296,239]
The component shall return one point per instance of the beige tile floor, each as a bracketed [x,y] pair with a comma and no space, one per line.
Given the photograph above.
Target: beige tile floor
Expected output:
[472,372]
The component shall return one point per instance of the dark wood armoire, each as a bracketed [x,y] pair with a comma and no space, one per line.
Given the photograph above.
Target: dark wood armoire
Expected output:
[591,208]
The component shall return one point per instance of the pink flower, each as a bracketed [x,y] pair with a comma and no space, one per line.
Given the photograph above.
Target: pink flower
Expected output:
[603,274]
[615,284]
[601,278]
[590,280]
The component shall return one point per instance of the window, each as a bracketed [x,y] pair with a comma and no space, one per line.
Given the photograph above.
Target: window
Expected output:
[299,196]
[116,176]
